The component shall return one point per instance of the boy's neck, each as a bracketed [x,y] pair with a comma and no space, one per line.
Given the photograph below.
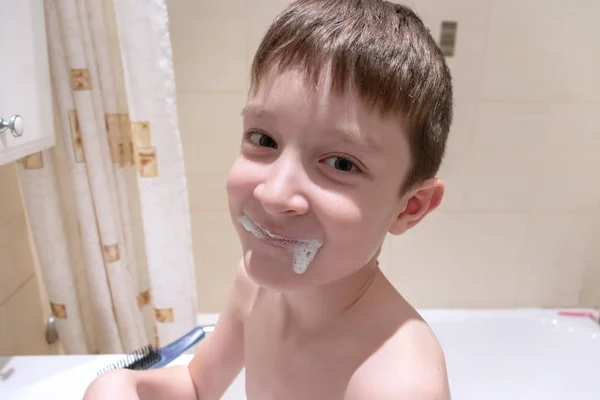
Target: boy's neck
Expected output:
[312,310]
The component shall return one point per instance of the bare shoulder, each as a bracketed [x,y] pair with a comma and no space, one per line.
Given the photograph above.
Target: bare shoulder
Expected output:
[410,365]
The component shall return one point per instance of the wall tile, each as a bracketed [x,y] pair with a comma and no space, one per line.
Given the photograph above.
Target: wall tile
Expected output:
[501,181]
[536,50]
[506,126]
[211,130]
[217,253]
[507,156]
[590,290]
[26,329]
[567,181]
[16,259]
[569,159]
[10,198]
[208,44]
[555,259]
[534,156]
[459,259]
[589,298]
[6,338]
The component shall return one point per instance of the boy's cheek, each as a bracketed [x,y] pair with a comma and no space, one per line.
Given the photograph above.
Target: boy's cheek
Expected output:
[352,229]
[239,179]
[341,214]
[232,183]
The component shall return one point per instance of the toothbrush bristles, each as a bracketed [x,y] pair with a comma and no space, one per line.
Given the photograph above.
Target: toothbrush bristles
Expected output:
[139,359]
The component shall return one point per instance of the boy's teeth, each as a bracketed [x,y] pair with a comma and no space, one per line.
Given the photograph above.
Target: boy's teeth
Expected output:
[272,235]
[259,231]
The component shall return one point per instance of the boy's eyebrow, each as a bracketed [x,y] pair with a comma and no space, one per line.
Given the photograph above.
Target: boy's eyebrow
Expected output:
[353,137]
[252,109]
[345,135]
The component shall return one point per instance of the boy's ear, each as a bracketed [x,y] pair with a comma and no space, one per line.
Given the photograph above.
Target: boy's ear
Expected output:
[420,202]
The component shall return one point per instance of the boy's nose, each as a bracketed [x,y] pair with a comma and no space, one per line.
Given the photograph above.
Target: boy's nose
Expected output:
[280,192]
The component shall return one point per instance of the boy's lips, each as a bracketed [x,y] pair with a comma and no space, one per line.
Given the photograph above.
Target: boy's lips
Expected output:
[303,251]
[276,235]
[273,233]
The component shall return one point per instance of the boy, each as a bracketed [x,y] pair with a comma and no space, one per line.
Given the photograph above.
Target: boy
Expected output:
[344,131]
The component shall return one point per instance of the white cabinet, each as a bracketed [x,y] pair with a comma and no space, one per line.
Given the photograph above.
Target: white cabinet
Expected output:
[25,88]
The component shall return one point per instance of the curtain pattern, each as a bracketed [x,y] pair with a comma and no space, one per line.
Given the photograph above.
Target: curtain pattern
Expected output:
[108,206]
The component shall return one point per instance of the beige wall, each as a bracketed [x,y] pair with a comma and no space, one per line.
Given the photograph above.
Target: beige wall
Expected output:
[520,222]
[22,317]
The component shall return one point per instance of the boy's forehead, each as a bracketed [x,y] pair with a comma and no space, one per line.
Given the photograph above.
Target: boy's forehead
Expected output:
[292,99]
[290,83]
[293,96]
[295,89]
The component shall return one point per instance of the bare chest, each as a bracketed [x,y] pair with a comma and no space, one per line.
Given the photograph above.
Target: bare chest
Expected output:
[289,368]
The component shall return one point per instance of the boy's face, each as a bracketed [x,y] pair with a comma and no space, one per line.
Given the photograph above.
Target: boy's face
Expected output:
[315,165]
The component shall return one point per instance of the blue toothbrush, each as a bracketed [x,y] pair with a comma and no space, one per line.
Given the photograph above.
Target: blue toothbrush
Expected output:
[150,357]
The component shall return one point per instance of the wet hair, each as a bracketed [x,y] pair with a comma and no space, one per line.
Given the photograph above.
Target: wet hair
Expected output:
[379,49]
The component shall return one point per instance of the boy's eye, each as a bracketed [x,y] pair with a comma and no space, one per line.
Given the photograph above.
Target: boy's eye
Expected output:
[260,139]
[341,164]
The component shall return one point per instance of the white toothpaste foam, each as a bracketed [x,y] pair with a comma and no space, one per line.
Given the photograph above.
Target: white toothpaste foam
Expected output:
[303,251]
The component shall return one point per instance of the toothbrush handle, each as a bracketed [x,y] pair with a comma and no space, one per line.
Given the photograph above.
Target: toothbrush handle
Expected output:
[173,350]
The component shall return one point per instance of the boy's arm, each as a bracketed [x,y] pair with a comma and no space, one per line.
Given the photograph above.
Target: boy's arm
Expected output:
[219,359]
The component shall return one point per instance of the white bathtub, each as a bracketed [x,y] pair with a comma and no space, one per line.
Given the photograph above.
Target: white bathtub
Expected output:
[520,354]
[525,354]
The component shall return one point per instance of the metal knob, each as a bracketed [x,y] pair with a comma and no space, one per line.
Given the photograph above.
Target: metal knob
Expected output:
[14,124]
[51,332]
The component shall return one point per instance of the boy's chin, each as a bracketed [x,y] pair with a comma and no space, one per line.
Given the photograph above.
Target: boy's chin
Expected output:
[273,275]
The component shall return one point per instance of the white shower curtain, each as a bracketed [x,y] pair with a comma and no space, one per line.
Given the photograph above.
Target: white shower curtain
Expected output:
[108,206]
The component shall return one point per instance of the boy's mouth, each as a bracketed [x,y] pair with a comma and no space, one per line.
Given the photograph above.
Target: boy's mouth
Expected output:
[303,251]
[262,233]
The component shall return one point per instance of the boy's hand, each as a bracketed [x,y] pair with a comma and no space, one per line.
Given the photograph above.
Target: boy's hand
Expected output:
[219,359]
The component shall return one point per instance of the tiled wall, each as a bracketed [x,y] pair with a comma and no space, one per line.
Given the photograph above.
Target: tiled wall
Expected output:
[21,314]
[520,222]
[590,289]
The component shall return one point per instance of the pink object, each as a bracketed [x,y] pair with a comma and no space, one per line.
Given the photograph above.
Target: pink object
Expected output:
[581,314]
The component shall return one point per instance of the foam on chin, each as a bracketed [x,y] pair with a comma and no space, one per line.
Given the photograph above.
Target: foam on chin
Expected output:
[303,251]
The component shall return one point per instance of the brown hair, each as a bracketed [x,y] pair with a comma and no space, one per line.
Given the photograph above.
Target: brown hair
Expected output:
[378,48]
